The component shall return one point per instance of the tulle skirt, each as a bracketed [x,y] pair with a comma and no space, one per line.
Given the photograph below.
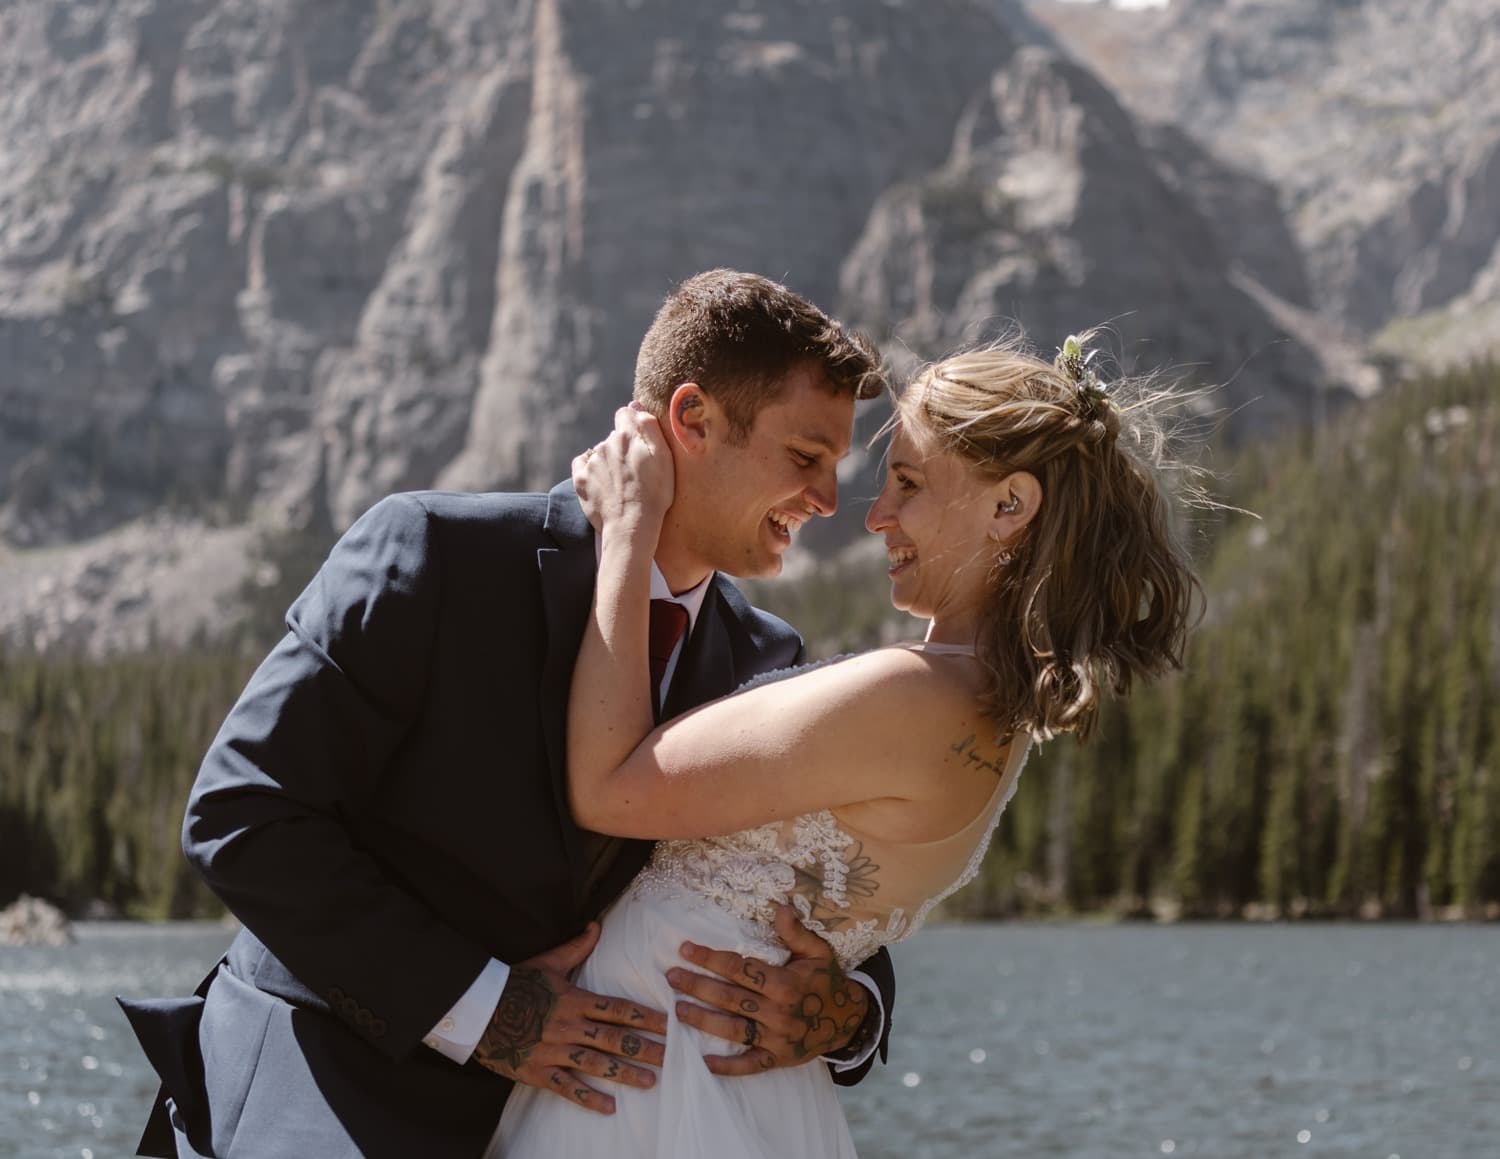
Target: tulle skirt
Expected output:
[690,1113]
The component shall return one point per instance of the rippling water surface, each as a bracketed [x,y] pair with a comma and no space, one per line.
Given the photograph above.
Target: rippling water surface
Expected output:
[1232,1042]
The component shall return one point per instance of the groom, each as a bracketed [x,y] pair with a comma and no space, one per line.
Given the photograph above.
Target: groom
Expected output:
[385,807]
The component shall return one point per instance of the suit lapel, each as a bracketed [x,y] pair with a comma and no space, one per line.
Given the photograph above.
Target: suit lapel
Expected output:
[567,584]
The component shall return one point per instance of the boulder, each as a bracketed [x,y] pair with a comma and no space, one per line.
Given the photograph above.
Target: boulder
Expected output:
[30,921]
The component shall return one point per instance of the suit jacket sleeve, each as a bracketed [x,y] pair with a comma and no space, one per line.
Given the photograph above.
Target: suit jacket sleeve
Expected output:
[882,972]
[305,745]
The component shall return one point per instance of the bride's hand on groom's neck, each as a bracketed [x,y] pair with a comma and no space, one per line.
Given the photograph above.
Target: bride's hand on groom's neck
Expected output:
[627,481]
[548,1033]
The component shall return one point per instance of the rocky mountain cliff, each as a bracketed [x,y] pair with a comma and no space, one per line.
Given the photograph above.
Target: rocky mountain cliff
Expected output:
[261,263]
[1376,121]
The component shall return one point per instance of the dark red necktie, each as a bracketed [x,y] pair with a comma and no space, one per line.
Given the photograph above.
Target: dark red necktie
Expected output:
[669,620]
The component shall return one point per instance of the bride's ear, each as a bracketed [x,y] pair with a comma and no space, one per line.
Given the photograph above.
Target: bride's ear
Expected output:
[687,419]
[1018,498]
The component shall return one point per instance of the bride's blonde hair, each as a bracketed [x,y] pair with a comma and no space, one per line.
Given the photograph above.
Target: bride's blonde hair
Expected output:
[1097,589]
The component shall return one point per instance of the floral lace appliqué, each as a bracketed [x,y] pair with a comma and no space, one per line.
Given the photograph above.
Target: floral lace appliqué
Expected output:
[808,862]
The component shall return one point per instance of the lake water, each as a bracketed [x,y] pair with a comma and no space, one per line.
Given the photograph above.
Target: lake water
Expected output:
[1230,1042]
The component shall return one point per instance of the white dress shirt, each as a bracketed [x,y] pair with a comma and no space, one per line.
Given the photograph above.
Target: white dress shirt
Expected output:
[458,1032]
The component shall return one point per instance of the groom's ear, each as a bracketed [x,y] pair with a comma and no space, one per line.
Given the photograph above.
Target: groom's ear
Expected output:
[688,418]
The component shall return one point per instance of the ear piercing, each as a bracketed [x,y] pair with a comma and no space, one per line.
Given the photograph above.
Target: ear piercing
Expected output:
[1011,506]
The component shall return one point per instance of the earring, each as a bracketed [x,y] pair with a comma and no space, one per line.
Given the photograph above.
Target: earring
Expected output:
[1005,555]
[1011,506]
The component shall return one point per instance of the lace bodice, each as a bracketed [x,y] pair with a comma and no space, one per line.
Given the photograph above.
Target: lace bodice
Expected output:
[857,891]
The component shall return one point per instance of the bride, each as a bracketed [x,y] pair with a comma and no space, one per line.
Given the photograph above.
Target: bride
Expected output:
[1024,522]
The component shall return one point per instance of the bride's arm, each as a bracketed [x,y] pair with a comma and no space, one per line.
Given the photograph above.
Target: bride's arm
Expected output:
[625,486]
[870,727]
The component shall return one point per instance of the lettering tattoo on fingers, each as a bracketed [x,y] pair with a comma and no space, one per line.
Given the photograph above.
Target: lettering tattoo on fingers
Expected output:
[752,1032]
[517,1024]
[576,1058]
[614,1068]
[755,973]
[591,1033]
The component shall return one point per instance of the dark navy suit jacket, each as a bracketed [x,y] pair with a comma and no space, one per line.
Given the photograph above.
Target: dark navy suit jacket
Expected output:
[385,809]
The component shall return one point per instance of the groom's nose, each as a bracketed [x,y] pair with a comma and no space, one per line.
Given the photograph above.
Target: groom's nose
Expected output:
[822,496]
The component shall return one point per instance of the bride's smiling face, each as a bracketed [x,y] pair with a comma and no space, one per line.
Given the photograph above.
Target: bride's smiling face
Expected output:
[938,516]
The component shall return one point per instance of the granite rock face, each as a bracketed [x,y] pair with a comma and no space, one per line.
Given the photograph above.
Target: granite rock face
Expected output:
[1377,122]
[262,263]
[1052,211]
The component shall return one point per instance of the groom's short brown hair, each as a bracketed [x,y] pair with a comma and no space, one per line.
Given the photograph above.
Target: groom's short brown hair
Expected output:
[738,336]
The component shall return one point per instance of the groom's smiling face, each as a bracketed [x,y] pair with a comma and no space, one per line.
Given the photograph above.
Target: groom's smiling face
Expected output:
[740,501]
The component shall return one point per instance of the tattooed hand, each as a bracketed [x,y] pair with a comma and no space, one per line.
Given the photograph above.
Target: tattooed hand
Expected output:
[784,1015]
[548,1033]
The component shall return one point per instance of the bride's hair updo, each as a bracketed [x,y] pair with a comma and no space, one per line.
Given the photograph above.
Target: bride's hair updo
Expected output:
[1096,590]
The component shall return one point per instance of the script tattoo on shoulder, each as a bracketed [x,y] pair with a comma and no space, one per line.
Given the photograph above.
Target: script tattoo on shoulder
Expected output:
[974,757]
[517,1024]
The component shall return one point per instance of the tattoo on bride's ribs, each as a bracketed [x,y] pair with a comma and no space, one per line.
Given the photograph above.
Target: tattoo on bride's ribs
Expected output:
[517,1024]
[974,758]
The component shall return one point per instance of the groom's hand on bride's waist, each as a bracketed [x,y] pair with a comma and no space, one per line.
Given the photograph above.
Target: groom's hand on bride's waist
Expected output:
[783,1015]
[548,1033]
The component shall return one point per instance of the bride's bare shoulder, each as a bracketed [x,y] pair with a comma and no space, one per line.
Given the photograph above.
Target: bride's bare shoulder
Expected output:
[906,687]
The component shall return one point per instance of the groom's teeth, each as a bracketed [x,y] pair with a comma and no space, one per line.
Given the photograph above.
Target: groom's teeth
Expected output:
[900,555]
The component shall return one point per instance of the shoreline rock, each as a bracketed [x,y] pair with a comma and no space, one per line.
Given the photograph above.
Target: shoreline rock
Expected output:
[30,921]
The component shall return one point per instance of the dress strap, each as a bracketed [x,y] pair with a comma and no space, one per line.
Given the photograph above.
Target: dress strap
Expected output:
[943,649]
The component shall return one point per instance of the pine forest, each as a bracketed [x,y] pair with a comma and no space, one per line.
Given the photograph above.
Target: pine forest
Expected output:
[1331,750]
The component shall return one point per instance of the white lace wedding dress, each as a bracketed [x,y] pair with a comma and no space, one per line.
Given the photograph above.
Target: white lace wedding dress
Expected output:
[858,891]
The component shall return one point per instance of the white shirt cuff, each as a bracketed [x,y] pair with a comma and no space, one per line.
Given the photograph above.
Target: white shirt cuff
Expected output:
[458,1032]
[840,1064]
